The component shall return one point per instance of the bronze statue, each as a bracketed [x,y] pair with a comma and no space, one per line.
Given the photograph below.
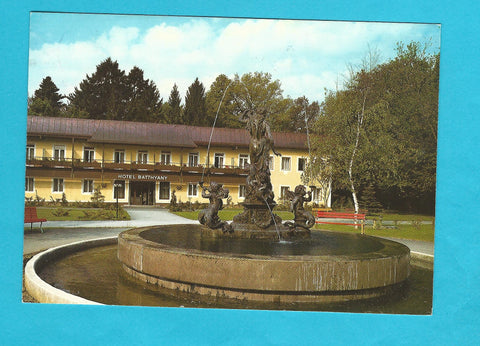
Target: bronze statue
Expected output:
[259,186]
[209,217]
[302,218]
[259,197]
[261,139]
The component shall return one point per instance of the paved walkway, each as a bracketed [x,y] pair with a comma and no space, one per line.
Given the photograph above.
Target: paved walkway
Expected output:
[58,233]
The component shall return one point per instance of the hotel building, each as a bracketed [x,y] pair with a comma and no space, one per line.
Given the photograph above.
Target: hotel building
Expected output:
[143,163]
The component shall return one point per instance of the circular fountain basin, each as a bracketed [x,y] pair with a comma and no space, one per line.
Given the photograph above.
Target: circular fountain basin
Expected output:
[327,267]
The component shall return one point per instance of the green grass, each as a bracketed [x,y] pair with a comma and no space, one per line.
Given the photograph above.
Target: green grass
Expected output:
[402,231]
[83,214]
[403,217]
[420,232]
[228,214]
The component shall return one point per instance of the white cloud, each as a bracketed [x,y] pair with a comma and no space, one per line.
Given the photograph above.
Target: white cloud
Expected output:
[306,56]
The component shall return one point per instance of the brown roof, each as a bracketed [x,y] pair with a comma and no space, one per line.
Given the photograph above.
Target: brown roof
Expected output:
[127,132]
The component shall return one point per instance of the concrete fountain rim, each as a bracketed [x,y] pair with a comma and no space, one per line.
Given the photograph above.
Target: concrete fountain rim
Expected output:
[134,236]
[45,293]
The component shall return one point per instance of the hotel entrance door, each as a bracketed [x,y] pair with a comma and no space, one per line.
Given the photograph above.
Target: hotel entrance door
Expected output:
[142,192]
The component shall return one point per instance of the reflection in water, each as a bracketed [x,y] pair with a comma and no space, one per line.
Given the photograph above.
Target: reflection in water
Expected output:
[320,243]
[96,274]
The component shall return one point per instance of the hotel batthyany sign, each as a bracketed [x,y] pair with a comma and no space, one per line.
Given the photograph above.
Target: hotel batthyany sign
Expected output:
[142,177]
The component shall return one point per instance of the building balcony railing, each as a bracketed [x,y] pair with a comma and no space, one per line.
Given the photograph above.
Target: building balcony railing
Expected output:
[49,162]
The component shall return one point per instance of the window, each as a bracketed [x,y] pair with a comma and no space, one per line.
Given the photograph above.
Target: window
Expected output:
[283,191]
[243,160]
[29,184]
[192,190]
[59,152]
[219,160]
[88,154]
[87,186]
[142,157]
[119,189]
[242,191]
[165,158]
[271,163]
[301,164]
[30,151]
[57,185]
[285,163]
[164,190]
[119,156]
[193,159]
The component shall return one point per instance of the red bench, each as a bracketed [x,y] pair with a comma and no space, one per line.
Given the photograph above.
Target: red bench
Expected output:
[341,216]
[31,217]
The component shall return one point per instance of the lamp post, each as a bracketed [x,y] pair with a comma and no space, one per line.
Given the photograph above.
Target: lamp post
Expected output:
[116,186]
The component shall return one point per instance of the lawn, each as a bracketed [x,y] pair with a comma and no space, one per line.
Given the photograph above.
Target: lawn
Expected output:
[413,231]
[401,231]
[403,217]
[80,214]
[228,214]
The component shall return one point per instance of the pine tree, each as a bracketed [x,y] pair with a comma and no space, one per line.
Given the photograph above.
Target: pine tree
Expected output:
[144,102]
[46,100]
[172,109]
[195,110]
[104,94]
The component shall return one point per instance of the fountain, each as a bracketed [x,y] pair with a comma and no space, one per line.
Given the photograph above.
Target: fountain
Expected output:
[256,257]
[245,260]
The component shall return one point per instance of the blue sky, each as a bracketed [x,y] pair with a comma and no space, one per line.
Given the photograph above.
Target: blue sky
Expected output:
[306,56]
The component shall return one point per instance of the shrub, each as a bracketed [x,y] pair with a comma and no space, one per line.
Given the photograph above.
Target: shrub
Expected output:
[61,212]
[97,199]
[64,201]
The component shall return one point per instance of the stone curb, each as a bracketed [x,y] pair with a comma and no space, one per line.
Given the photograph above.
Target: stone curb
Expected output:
[45,293]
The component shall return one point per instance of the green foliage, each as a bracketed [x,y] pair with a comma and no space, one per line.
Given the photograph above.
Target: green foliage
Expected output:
[64,201]
[59,212]
[172,110]
[299,115]
[369,201]
[251,90]
[111,94]
[220,98]
[97,199]
[109,212]
[393,106]
[144,102]
[103,95]
[46,100]
[195,107]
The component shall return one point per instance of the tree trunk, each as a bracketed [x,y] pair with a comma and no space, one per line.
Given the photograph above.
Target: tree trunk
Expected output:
[350,167]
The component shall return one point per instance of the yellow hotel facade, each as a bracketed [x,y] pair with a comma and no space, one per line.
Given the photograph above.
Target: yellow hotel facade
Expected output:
[143,163]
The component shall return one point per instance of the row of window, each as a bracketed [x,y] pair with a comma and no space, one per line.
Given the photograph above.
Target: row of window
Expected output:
[119,188]
[165,158]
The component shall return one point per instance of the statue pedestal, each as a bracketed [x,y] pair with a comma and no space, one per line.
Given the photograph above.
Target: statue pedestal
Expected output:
[258,214]
[257,221]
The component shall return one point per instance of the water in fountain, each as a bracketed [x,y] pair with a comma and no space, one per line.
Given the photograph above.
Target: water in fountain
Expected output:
[273,218]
